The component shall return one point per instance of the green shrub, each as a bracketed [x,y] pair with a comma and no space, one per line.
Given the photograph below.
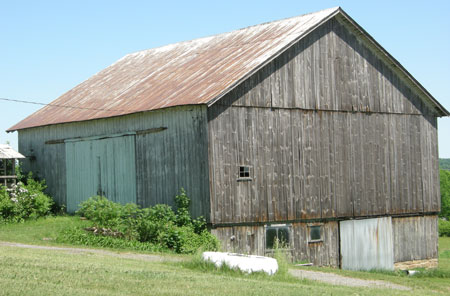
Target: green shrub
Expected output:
[182,201]
[190,242]
[158,225]
[153,222]
[24,201]
[108,214]
[444,227]
[80,237]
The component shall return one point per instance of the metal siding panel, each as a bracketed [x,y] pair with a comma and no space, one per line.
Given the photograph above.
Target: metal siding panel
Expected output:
[367,244]
[106,165]
[120,169]
[81,173]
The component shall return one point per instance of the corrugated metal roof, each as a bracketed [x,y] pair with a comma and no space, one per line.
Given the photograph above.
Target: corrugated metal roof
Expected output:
[185,73]
[194,72]
[6,152]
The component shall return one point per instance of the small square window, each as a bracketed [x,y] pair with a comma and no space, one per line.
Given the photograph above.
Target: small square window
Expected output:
[315,233]
[277,233]
[244,172]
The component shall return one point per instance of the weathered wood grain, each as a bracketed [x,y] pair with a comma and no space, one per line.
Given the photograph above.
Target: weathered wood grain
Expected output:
[180,159]
[338,135]
[415,238]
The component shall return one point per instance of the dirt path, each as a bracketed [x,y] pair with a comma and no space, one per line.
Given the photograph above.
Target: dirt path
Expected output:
[144,257]
[329,278]
[335,279]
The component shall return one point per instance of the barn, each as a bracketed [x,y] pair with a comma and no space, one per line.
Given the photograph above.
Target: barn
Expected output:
[303,129]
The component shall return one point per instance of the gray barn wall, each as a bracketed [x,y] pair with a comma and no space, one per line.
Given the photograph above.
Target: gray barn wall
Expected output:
[165,160]
[328,131]
[251,240]
[415,238]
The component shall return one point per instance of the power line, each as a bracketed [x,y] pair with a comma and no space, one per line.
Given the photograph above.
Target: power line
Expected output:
[62,106]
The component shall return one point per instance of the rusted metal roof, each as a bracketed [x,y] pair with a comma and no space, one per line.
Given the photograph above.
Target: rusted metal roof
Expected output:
[6,152]
[194,72]
[185,73]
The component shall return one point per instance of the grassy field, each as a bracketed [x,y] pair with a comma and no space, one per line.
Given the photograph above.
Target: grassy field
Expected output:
[49,272]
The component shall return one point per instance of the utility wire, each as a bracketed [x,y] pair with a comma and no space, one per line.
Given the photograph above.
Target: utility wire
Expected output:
[62,106]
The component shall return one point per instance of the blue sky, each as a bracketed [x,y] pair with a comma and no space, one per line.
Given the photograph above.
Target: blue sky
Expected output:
[48,47]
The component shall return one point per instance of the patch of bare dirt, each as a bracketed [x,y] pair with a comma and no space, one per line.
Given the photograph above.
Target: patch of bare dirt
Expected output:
[335,279]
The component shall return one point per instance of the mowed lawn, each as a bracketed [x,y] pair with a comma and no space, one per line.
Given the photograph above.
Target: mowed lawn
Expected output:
[52,272]
[45,272]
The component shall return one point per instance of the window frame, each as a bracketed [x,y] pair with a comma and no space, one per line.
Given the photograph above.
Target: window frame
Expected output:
[242,168]
[315,225]
[277,227]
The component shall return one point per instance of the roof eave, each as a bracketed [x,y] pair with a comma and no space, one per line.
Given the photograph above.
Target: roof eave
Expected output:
[13,129]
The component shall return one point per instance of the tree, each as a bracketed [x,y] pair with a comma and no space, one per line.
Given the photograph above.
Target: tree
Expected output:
[445,194]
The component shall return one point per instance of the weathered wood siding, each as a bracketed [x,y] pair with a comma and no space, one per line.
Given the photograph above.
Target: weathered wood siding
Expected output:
[325,253]
[251,240]
[166,159]
[415,238]
[328,131]
[329,69]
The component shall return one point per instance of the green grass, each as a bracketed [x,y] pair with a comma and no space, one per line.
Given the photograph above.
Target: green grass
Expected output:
[44,272]
[43,231]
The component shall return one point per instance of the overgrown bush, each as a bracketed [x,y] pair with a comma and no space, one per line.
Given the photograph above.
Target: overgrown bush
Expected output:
[80,237]
[444,227]
[158,225]
[107,214]
[24,201]
[154,223]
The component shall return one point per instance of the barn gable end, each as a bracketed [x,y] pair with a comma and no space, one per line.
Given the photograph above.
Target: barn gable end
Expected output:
[329,131]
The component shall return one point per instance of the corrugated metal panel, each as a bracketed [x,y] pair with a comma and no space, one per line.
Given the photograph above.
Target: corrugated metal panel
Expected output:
[6,152]
[367,244]
[185,73]
[101,167]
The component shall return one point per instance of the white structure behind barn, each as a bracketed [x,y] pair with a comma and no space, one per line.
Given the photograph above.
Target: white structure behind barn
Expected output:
[8,157]
[284,130]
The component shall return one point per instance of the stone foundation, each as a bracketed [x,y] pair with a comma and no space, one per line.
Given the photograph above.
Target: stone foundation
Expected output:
[427,263]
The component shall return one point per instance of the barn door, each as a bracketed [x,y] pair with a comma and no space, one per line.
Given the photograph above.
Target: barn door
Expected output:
[100,167]
[367,244]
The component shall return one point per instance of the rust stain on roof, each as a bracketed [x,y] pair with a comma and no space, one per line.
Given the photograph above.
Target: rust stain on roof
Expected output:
[185,73]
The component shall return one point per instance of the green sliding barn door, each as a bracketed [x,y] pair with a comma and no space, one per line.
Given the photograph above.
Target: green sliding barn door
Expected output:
[100,167]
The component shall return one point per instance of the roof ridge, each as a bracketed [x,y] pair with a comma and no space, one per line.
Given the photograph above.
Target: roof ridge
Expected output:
[331,9]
